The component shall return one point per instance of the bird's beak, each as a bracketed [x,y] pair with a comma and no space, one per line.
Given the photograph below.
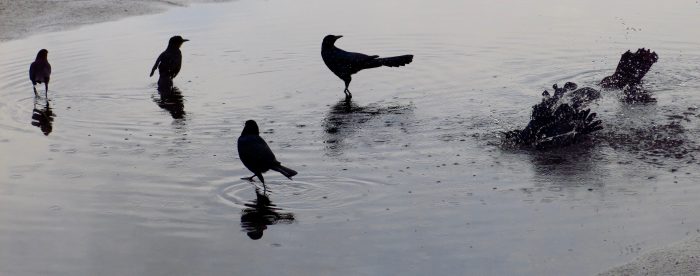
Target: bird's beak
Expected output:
[338,36]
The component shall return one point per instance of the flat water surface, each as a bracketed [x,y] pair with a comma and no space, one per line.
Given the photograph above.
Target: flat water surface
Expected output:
[410,178]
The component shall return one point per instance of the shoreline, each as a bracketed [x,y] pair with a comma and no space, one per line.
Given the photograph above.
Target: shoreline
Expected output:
[681,258]
[20,19]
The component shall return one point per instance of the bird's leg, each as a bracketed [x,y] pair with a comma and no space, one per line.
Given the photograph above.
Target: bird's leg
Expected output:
[249,178]
[35,93]
[258,192]
[46,89]
[348,95]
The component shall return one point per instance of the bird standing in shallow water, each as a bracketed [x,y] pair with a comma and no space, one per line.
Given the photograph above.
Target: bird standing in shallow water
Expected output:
[344,64]
[40,71]
[169,62]
[256,154]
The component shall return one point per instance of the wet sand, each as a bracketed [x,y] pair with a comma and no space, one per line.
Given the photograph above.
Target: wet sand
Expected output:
[678,259]
[170,170]
[23,18]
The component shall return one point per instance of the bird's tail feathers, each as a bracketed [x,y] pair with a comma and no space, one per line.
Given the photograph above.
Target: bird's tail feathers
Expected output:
[396,61]
[285,171]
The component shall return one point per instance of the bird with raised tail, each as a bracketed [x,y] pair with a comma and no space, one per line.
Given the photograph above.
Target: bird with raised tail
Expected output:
[40,71]
[256,154]
[344,64]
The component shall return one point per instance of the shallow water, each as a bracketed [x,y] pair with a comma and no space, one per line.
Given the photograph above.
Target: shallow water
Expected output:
[409,178]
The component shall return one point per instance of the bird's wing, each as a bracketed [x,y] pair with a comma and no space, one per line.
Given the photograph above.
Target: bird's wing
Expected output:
[32,71]
[346,63]
[176,67]
[255,153]
[47,72]
[355,61]
[171,62]
[155,65]
[174,60]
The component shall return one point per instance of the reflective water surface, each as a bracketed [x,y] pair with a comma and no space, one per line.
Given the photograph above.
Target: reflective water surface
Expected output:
[108,176]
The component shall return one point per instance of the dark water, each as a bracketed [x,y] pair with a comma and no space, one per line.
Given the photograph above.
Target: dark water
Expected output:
[409,178]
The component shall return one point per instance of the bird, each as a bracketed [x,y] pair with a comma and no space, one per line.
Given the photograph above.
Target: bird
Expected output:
[256,154]
[344,64]
[169,62]
[630,70]
[40,70]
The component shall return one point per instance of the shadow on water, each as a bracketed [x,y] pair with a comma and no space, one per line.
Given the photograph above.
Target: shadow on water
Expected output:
[261,213]
[42,116]
[345,118]
[172,101]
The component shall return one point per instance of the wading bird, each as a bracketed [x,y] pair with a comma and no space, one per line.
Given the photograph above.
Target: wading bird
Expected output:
[256,154]
[344,64]
[40,71]
[169,62]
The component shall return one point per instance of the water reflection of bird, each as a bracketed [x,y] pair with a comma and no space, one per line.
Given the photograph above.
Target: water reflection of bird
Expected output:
[256,154]
[169,62]
[344,64]
[43,117]
[171,99]
[261,213]
[343,119]
[40,71]
[346,117]
[567,171]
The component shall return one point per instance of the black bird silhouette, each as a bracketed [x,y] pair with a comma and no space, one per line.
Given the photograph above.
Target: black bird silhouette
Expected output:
[169,62]
[344,64]
[631,69]
[256,154]
[558,121]
[40,71]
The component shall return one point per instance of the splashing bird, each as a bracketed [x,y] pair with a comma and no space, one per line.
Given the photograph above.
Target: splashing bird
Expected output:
[631,69]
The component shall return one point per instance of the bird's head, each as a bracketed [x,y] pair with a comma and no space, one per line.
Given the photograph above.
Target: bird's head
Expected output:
[250,128]
[330,39]
[176,41]
[256,234]
[42,55]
